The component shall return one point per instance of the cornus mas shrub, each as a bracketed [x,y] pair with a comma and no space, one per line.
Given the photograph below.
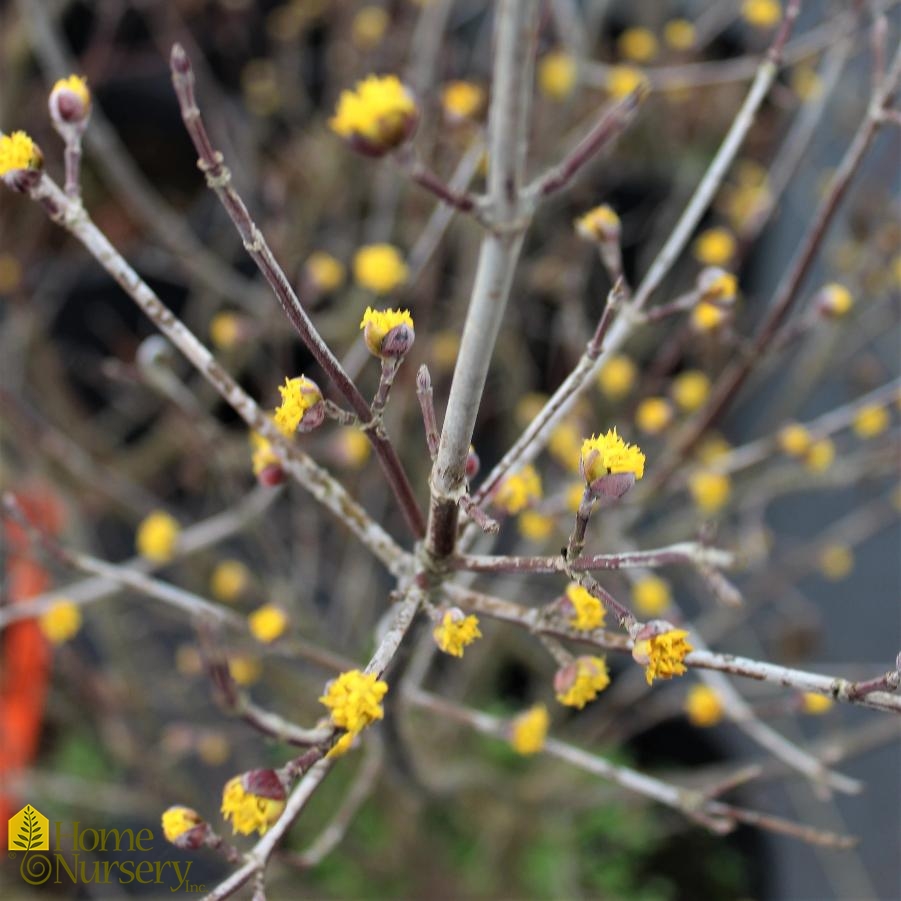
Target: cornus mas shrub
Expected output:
[483,470]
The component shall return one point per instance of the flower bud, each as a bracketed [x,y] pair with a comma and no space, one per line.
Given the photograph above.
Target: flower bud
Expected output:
[271,475]
[185,828]
[600,224]
[833,301]
[20,161]
[70,103]
[301,409]
[376,117]
[612,486]
[388,333]
[641,646]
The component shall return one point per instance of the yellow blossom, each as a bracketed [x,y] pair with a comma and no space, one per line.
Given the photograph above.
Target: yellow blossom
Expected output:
[301,404]
[225,330]
[213,748]
[76,84]
[354,699]
[244,669]
[267,623]
[462,100]
[157,537]
[651,595]
[229,580]
[529,730]
[679,34]
[369,26]
[638,45]
[378,324]
[870,420]
[18,151]
[324,271]
[710,490]
[535,526]
[706,317]
[353,447]
[456,631]
[761,13]
[794,439]
[263,455]
[379,268]
[253,801]
[588,611]
[608,454]
[564,445]
[377,116]
[836,561]
[557,75]
[653,415]
[616,377]
[820,456]
[703,706]
[61,622]
[623,80]
[599,224]
[714,247]
[835,300]
[716,285]
[812,702]
[177,821]
[581,681]
[518,490]
[662,654]
[690,389]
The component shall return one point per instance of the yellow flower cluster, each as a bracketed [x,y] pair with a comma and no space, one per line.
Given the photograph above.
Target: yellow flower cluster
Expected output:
[639,45]
[623,80]
[814,703]
[324,271]
[564,445]
[18,151]
[599,224]
[299,396]
[617,377]
[690,389]
[710,490]
[679,34]
[608,454]
[253,801]
[77,84]
[836,561]
[536,526]
[518,490]
[663,654]
[267,623]
[794,439]
[462,100]
[379,268]
[369,26]
[376,324]
[588,611]
[529,730]
[581,681]
[714,247]
[355,700]
[651,595]
[835,300]
[703,706]
[870,420]
[157,537]
[61,622]
[653,415]
[263,456]
[377,116]
[761,13]
[456,631]
[177,821]
[229,580]
[557,75]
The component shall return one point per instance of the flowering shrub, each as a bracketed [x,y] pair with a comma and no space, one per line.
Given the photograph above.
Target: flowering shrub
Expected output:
[528,501]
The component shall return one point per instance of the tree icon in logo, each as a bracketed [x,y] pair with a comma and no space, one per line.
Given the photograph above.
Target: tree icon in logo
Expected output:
[28,830]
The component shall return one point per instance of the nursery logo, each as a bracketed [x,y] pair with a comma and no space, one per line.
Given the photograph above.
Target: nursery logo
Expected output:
[78,855]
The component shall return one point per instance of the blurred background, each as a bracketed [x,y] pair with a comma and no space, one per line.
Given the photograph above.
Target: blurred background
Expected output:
[101,426]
